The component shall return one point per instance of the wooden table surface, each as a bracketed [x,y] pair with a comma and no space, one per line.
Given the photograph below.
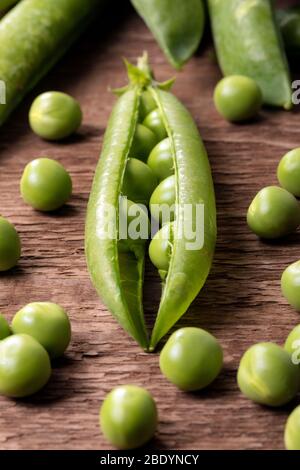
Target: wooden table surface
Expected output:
[241,303]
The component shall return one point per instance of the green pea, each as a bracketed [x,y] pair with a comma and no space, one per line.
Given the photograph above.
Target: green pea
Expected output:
[160,249]
[48,323]
[292,345]
[45,184]
[290,284]
[147,104]
[10,245]
[139,181]
[5,330]
[143,142]
[128,417]
[161,159]
[288,172]
[133,226]
[191,359]
[154,121]
[273,213]
[55,115]
[292,430]
[237,98]
[24,366]
[164,198]
[267,375]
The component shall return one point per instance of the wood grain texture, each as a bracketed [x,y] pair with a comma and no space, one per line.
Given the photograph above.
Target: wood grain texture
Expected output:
[241,302]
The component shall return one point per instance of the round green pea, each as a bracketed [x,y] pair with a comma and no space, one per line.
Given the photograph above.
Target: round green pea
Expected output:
[147,104]
[292,430]
[143,142]
[5,330]
[48,323]
[267,375]
[163,199]
[292,344]
[133,224]
[10,245]
[161,159]
[288,172]
[45,184]
[237,98]
[191,359]
[24,366]
[128,417]
[273,213]
[290,284]
[160,249]
[154,121]
[139,181]
[54,115]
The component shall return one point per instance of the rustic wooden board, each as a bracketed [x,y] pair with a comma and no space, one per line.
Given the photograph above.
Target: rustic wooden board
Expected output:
[241,302]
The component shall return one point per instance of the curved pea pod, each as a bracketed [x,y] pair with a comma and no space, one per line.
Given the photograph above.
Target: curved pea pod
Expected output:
[33,36]
[117,276]
[176,25]
[248,42]
[189,265]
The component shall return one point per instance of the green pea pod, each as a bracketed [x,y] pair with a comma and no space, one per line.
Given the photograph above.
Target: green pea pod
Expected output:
[248,42]
[118,275]
[289,24]
[176,25]
[33,36]
[5,4]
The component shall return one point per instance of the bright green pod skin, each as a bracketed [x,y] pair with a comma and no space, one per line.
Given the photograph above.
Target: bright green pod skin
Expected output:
[155,123]
[237,98]
[54,115]
[161,159]
[292,345]
[292,430]
[164,194]
[5,330]
[139,181]
[24,366]
[48,323]
[10,245]
[143,142]
[191,359]
[248,42]
[290,284]
[176,25]
[45,184]
[288,172]
[289,23]
[119,280]
[128,417]
[34,35]
[273,213]
[266,375]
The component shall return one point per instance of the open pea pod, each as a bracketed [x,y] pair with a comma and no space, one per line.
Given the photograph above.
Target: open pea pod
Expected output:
[116,265]
[176,25]
[33,36]
[248,42]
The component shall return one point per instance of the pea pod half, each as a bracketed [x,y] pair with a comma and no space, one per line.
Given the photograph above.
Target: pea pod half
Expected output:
[248,42]
[117,270]
[33,36]
[177,26]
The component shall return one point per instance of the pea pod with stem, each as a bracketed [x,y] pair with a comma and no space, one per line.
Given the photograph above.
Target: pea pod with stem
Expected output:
[33,36]
[118,274]
[248,42]
[177,26]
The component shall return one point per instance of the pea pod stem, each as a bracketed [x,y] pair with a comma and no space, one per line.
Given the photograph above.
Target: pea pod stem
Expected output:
[248,42]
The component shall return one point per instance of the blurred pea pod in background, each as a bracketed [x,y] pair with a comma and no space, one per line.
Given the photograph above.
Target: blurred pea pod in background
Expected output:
[177,25]
[248,42]
[5,4]
[289,23]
